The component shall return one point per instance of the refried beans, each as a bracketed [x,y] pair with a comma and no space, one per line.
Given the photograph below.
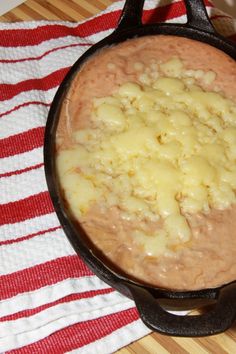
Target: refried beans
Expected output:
[134,110]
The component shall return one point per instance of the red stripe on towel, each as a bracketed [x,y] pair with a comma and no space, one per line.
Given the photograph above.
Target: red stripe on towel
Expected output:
[23,142]
[30,207]
[45,83]
[44,274]
[7,61]
[27,237]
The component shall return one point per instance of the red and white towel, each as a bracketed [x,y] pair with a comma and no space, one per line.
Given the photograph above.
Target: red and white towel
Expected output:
[50,302]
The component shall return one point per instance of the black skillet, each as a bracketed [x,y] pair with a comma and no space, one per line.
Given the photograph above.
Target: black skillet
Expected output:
[152,303]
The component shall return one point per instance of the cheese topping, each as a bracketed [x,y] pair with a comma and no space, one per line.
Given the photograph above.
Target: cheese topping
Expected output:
[159,149]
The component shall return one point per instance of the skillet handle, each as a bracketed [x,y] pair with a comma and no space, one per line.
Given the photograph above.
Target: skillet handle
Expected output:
[131,15]
[197,16]
[217,320]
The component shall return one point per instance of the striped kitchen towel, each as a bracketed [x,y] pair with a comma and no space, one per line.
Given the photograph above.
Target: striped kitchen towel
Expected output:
[50,302]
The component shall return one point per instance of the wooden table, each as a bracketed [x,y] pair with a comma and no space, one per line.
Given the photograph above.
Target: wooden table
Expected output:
[77,10]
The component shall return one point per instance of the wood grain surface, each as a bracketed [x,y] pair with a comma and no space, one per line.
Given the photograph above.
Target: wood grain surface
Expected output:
[77,10]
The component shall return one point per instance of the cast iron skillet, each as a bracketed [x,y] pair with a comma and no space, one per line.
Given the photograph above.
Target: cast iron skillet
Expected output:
[151,303]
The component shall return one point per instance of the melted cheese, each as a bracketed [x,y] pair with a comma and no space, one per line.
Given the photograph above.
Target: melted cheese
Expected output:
[160,148]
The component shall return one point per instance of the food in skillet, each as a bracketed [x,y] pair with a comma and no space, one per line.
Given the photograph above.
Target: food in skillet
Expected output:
[146,150]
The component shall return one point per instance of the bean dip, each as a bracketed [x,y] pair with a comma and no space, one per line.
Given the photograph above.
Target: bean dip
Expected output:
[146,152]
